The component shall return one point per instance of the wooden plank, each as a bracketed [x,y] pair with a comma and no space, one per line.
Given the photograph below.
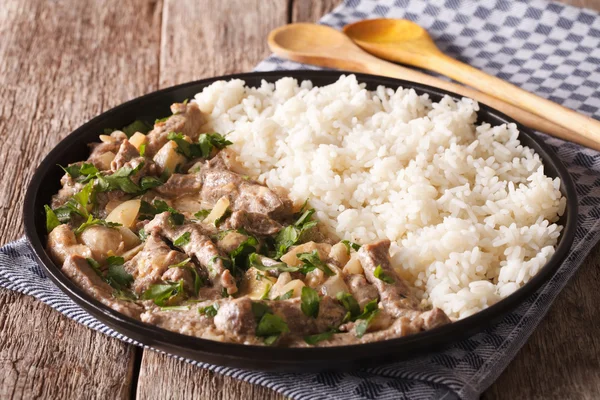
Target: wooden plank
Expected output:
[62,63]
[202,39]
[209,38]
[561,360]
[313,10]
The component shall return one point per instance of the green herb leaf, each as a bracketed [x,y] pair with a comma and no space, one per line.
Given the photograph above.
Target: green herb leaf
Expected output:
[314,339]
[259,309]
[120,180]
[116,276]
[271,325]
[350,304]
[181,264]
[364,320]
[142,235]
[51,219]
[265,295]
[183,239]
[292,234]
[81,172]
[255,261]
[150,182]
[269,340]
[223,217]
[158,121]
[201,149]
[369,309]
[148,211]
[95,266]
[286,295]
[210,311]
[240,255]
[350,245]
[142,149]
[202,214]
[162,293]
[175,308]
[136,126]
[382,276]
[312,260]
[125,295]
[310,302]
[93,221]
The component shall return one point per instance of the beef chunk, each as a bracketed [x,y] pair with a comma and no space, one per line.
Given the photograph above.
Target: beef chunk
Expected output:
[199,246]
[186,119]
[80,272]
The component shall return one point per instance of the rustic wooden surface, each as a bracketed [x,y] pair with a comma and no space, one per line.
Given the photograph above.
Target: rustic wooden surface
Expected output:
[63,62]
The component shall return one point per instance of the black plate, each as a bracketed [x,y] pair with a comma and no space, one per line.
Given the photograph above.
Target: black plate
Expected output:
[45,183]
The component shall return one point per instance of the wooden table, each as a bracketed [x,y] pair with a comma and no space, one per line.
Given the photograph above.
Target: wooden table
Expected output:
[63,62]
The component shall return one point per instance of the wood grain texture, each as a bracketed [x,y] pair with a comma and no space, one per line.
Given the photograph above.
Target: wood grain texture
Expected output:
[62,63]
[46,355]
[205,38]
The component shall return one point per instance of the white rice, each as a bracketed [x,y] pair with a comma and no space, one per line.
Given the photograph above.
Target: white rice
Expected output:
[468,209]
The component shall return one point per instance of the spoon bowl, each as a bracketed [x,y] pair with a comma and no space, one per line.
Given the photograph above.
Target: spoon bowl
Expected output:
[404,41]
[327,47]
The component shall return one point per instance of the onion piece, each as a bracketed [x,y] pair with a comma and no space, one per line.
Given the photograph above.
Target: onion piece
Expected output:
[219,209]
[125,213]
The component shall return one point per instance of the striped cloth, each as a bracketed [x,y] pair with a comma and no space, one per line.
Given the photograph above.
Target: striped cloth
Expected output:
[547,48]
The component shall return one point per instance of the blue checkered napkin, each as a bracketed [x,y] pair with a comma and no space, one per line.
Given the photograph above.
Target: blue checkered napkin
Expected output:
[547,48]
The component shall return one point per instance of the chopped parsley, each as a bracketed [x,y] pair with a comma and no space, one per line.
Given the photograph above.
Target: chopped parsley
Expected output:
[150,182]
[270,326]
[81,172]
[95,265]
[364,320]
[310,302]
[292,234]
[181,264]
[350,304]
[183,239]
[210,311]
[286,295]
[314,339]
[143,235]
[255,261]
[240,255]
[51,219]
[265,295]
[148,211]
[350,245]
[120,180]
[202,214]
[163,293]
[142,149]
[136,126]
[312,261]
[160,120]
[175,308]
[202,149]
[94,221]
[382,276]
[76,205]
[116,276]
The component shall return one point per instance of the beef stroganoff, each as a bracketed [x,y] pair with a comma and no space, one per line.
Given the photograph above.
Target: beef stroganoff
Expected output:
[319,217]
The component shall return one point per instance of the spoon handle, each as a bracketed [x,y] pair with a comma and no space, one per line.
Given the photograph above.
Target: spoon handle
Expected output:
[586,131]
[582,124]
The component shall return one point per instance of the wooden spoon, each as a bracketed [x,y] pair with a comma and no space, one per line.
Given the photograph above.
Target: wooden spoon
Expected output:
[406,42]
[326,47]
